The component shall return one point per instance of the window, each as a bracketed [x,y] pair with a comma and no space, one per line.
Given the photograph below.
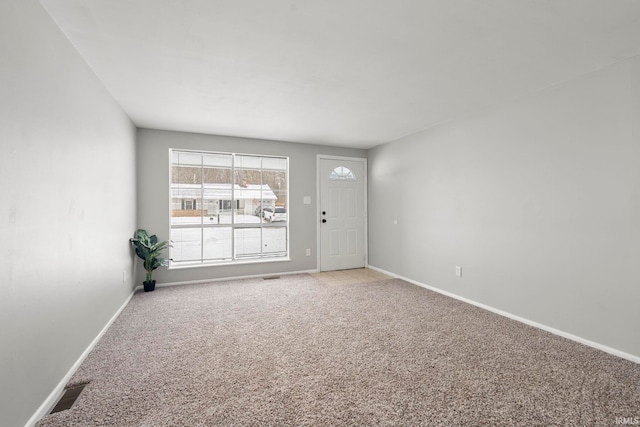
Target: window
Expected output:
[188,204]
[342,173]
[222,207]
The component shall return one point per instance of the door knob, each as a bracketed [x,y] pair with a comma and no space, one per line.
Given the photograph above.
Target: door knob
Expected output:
[324,220]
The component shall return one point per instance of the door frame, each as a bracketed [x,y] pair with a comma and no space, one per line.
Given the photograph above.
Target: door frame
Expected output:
[363,160]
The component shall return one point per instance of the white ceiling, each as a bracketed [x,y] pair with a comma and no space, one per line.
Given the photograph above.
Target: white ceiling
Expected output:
[354,73]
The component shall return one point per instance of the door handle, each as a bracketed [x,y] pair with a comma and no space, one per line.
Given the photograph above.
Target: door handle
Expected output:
[324,220]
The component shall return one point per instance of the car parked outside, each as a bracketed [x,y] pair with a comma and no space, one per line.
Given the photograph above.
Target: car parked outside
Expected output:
[275,214]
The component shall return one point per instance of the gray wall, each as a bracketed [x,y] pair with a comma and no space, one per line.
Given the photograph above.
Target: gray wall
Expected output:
[153,200]
[68,207]
[538,201]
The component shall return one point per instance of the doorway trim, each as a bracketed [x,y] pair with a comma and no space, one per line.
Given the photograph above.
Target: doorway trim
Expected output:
[318,216]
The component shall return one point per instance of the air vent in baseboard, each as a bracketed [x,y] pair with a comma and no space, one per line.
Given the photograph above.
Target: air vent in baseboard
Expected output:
[69,396]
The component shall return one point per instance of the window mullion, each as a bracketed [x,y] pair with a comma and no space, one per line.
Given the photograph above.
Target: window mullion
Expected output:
[261,204]
[201,207]
[233,199]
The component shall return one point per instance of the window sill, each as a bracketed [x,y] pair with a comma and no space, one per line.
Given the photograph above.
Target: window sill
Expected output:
[198,264]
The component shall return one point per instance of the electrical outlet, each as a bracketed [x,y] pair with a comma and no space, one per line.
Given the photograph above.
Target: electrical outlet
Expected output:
[308,252]
[458,271]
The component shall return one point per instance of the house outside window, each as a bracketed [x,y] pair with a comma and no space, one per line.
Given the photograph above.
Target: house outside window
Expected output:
[188,204]
[218,203]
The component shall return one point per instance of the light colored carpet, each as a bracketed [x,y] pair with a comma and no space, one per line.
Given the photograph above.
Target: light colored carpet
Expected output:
[296,351]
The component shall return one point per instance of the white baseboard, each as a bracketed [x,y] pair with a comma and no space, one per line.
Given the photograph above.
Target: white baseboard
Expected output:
[224,279]
[55,395]
[546,328]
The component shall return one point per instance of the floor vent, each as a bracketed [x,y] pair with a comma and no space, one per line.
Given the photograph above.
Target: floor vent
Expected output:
[69,396]
[271,277]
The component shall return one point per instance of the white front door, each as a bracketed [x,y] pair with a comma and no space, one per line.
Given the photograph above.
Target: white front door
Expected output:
[342,213]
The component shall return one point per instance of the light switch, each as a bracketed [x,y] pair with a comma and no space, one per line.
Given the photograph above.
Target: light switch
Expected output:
[306,200]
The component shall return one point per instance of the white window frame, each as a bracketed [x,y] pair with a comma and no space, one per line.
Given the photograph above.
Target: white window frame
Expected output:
[233,259]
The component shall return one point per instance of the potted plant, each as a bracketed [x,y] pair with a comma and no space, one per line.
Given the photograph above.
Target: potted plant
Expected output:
[149,249]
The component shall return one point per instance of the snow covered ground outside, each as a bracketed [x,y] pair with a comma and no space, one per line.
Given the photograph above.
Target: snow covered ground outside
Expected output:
[216,243]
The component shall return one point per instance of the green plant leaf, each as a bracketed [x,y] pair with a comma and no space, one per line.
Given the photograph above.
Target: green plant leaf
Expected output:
[149,249]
